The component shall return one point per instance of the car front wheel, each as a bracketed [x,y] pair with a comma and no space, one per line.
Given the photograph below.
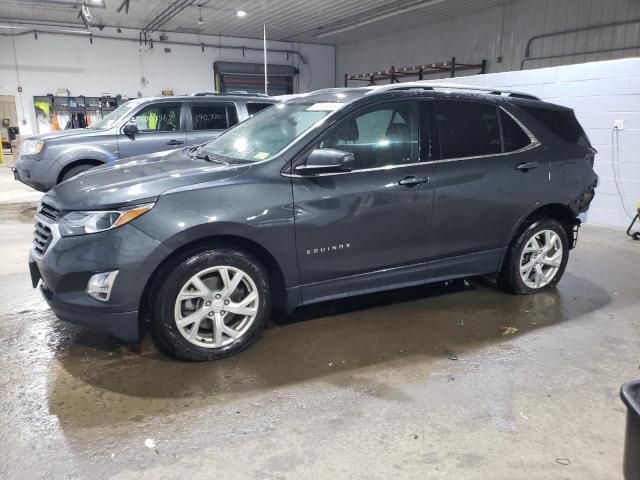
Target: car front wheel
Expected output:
[536,259]
[211,305]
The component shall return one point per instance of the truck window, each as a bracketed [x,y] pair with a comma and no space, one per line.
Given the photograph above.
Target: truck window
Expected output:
[213,116]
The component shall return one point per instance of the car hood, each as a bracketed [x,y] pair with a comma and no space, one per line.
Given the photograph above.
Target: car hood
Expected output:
[74,132]
[136,180]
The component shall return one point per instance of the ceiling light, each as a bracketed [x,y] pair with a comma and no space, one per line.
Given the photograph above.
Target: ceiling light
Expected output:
[97,3]
[376,18]
[241,13]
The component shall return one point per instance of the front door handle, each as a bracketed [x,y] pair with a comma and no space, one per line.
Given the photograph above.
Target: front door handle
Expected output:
[174,142]
[525,167]
[413,181]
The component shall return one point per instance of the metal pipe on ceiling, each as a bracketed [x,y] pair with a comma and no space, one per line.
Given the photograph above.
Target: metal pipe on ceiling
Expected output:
[527,50]
[590,52]
[79,33]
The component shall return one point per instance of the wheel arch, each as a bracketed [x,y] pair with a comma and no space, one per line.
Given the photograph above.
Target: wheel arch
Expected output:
[557,211]
[76,163]
[274,270]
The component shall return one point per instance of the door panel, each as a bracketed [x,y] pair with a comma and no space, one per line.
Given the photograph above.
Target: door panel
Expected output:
[160,127]
[365,220]
[479,198]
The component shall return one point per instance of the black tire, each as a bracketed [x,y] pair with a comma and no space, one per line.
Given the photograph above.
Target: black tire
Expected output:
[77,170]
[509,278]
[164,329]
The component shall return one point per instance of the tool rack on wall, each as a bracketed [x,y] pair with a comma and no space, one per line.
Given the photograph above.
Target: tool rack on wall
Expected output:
[55,113]
[393,75]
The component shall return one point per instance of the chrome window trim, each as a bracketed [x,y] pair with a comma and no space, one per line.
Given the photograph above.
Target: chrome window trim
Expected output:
[535,143]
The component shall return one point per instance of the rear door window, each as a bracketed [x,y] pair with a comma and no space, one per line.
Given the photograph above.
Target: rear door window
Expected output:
[465,129]
[253,108]
[213,116]
[513,136]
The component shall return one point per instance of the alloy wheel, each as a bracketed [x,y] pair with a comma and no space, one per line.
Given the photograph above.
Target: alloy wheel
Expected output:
[541,259]
[216,306]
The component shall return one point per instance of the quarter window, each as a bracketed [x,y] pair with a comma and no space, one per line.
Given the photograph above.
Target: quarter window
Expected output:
[381,135]
[513,136]
[213,117]
[159,117]
[466,129]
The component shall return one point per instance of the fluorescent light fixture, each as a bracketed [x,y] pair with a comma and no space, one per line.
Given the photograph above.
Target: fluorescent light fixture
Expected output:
[97,3]
[377,18]
[241,13]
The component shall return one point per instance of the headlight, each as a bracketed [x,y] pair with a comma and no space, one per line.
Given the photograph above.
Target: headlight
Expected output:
[82,223]
[31,147]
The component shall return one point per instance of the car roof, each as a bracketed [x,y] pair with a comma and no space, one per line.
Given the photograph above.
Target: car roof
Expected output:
[209,98]
[347,96]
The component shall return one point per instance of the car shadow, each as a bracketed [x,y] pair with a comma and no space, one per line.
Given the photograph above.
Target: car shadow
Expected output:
[102,381]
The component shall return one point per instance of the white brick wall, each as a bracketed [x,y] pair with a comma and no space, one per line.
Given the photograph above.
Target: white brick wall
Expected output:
[600,93]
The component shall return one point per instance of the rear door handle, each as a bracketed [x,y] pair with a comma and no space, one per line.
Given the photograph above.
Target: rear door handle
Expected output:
[174,142]
[527,166]
[413,181]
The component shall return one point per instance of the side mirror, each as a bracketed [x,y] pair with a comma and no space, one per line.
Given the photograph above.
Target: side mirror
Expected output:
[130,129]
[326,160]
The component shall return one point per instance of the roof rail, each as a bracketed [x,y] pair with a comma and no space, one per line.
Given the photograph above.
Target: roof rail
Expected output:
[237,93]
[426,85]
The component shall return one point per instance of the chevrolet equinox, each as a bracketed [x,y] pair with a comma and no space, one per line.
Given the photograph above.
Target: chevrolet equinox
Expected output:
[330,194]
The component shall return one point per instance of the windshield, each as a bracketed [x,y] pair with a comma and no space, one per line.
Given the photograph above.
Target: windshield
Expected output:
[113,118]
[265,134]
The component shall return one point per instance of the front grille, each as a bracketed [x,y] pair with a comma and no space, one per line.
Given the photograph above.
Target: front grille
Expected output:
[49,211]
[42,237]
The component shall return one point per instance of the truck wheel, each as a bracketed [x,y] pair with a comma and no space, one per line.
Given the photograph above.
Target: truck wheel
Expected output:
[536,259]
[72,172]
[211,305]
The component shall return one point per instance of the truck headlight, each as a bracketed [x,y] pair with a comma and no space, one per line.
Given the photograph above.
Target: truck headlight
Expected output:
[31,147]
[85,222]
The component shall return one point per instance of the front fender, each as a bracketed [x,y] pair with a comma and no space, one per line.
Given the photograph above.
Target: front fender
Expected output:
[72,154]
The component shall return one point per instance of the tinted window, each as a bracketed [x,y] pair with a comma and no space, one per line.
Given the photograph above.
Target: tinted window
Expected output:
[214,116]
[159,117]
[253,108]
[381,135]
[513,136]
[466,129]
[562,123]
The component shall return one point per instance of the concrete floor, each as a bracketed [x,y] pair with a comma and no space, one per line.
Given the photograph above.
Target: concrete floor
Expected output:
[449,381]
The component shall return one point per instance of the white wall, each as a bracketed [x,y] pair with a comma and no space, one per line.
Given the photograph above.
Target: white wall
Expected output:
[501,31]
[600,93]
[116,67]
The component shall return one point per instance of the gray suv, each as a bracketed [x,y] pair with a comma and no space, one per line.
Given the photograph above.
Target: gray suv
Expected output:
[332,194]
[140,126]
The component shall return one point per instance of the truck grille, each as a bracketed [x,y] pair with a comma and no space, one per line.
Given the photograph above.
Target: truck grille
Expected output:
[42,237]
[49,211]
[43,234]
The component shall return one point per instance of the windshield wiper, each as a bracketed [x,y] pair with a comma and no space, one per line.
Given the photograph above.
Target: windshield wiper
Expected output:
[205,156]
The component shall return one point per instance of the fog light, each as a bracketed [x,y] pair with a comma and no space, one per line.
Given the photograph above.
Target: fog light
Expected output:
[100,285]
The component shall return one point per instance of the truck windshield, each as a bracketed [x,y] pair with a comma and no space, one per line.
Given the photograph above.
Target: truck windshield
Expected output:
[111,119]
[268,132]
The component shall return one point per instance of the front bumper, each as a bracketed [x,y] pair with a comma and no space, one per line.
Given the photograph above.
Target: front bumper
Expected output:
[65,268]
[34,172]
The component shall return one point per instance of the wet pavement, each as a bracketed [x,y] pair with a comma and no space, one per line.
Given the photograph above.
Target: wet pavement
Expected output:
[454,380]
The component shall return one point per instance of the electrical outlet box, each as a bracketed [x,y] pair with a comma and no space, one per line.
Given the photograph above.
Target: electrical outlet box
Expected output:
[619,124]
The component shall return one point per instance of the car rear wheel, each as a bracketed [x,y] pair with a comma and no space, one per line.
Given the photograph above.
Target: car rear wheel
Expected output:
[213,304]
[536,259]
